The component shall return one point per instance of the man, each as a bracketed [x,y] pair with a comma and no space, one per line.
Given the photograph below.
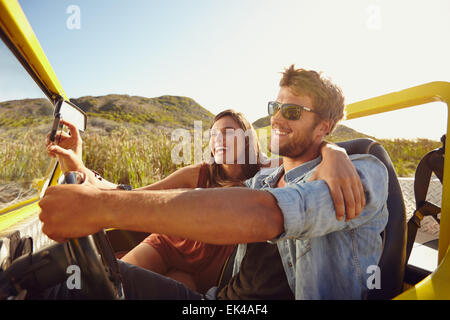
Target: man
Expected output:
[292,244]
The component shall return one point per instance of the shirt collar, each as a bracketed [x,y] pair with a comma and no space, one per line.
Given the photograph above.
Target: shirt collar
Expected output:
[293,174]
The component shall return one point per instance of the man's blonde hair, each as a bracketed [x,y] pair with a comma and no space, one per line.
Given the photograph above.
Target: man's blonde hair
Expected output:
[327,98]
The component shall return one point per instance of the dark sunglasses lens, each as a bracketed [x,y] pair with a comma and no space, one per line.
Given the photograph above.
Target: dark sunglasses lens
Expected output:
[291,112]
[272,108]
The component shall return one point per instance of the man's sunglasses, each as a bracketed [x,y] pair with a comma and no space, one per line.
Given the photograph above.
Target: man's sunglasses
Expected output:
[288,110]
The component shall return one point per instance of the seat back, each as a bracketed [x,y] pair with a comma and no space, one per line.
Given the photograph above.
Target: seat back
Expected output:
[393,256]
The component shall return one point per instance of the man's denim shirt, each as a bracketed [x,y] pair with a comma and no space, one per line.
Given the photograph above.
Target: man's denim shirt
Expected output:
[325,258]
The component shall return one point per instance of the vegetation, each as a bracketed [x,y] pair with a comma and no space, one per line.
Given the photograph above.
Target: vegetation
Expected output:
[165,111]
[23,155]
[130,143]
[405,154]
[130,157]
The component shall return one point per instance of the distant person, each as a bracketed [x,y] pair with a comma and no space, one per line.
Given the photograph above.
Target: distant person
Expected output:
[194,263]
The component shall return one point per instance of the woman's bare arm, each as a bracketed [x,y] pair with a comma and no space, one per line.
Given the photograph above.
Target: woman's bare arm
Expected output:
[183,178]
[69,153]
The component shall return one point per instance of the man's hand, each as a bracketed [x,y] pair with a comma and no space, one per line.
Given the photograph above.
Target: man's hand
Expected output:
[343,181]
[71,211]
[68,149]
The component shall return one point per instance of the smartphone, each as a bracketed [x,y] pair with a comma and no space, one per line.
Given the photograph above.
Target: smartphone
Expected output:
[70,112]
[56,120]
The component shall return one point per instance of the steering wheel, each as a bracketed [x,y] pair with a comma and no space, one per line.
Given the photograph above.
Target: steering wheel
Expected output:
[93,254]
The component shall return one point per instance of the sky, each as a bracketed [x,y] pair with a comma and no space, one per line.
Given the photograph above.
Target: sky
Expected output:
[230,53]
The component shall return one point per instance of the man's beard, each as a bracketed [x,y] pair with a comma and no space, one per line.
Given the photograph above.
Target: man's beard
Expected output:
[294,147]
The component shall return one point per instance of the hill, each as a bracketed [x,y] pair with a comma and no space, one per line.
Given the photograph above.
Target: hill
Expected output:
[341,132]
[164,111]
[261,122]
[112,110]
[23,113]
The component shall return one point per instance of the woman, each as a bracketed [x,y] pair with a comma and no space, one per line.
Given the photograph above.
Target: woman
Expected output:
[194,263]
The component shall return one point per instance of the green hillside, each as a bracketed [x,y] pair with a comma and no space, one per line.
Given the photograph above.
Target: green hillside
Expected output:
[111,110]
[261,122]
[26,112]
[165,111]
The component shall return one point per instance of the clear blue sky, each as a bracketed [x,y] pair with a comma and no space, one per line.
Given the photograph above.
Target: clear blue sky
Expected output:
[228,53]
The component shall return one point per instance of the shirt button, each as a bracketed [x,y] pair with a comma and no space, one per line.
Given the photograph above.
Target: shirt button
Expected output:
[290,264]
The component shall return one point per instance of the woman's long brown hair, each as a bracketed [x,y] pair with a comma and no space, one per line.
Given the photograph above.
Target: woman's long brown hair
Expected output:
[217,177]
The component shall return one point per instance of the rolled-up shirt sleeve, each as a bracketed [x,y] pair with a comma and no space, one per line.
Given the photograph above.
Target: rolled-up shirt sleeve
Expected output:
[308,209]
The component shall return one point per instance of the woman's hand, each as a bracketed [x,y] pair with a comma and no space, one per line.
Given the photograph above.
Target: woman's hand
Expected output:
[343,181]
[67,148]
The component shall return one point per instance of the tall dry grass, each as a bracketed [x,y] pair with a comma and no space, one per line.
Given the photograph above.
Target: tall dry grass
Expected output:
[22,155]
[122,156]
[135,157]
[140,156]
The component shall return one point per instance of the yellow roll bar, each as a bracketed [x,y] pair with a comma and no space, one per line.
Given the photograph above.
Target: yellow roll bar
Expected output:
[429,92]
[23,42]
[436,285]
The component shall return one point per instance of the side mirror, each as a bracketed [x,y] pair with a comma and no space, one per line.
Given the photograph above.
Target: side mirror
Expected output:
[70,112]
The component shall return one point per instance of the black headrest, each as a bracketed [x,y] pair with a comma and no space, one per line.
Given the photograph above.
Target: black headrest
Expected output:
[392,261]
